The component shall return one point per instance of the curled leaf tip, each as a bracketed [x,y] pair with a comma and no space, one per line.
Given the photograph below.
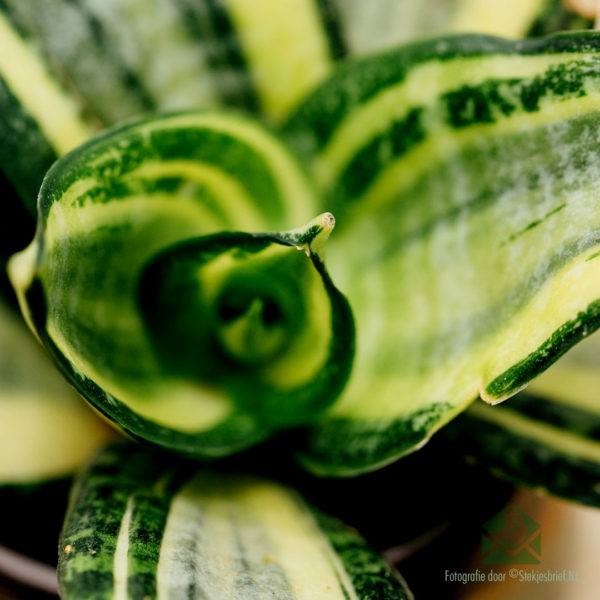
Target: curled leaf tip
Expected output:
[316,244]
[327,220]
[311,237]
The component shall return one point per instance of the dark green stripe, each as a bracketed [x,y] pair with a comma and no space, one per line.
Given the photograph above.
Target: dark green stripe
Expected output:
[232,54]
[201,144]
[310,127]
[25,154]
[13,18]
[369,161]
[462,108]
[235,158]
[94,489]
[209,21]
[149,517]
[340,447]
[535,224]
[332,24]
[566,336]
[148,521]
[371,577]
[177,187]
[483,103]
[355,82]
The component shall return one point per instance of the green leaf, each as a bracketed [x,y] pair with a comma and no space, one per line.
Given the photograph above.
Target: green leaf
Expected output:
[464,174]
[197,340]
[140,526]
[129,59]
[39,122]
[548,445]
[547,438]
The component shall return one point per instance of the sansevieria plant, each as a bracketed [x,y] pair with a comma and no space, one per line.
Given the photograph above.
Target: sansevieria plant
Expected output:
[291,237]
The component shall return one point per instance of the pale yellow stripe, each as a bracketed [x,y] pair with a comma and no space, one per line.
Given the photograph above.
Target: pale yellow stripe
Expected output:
[286,47]
[120,562]
[55,112]
[310,564]
[178,404]
[423,84]
[233,199]
[506,18]
[220,545]
[296,192]
[555,437]
[218,522]
[66,221]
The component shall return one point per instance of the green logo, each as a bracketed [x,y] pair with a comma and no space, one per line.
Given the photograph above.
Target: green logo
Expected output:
[511,538]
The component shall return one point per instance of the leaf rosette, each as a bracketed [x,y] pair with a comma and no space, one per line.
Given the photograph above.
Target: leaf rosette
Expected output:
[166,316]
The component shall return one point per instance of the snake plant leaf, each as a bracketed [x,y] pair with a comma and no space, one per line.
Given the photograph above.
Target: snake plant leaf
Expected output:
[550,445]
[182,331]
[129,58]
[204,54]
[140,527]
[46,432]
[471,166]
[547,438]
[39,120]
